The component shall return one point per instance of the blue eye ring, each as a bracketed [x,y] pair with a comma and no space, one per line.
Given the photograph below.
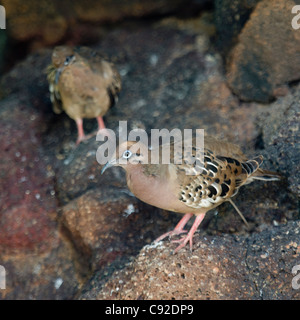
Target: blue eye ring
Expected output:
[127,154]
[69,59]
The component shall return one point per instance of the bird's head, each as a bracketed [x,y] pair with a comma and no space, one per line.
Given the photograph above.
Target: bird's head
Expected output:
[61,56]
[128,154]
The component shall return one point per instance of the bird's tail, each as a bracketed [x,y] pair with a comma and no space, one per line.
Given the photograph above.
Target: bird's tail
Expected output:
[254,172]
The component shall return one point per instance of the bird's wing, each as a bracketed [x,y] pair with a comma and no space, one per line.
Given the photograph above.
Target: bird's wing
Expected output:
[215,176]
[53,88]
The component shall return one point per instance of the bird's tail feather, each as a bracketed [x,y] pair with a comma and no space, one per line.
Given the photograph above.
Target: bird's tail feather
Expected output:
[266,175]
[254,172]
[251,166]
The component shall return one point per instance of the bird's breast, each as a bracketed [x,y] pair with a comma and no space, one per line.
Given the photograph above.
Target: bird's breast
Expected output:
[156,191]
[152,190]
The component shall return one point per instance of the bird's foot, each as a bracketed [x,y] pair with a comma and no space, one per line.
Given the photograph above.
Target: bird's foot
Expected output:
[90,135]
[170,234]
[189,237]
[85,138]
[80,139]
[81,135]
[183,241]
[178,229]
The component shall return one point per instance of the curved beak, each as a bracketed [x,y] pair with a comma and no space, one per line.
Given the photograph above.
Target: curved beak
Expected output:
[109,164]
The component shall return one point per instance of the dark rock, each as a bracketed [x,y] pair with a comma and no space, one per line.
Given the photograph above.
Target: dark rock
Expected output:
[230,18]
[280,129]
[258,64]
[79,171]
[3,43]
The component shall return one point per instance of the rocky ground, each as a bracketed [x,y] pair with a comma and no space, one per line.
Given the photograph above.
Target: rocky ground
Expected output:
[68,232]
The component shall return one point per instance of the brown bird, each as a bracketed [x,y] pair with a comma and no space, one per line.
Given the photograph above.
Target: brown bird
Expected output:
[83,84]
[172,187]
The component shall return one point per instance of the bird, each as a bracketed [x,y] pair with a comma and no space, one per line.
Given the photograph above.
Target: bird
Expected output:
[83,84]
[171,186]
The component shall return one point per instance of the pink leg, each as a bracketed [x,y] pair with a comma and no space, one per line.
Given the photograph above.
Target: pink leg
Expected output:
[189,236]
[101,124]
[81,135]
[178,229]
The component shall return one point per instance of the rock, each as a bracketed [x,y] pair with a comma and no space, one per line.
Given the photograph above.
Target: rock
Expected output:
[35,19]
[108,224]
[35,276]
[230,18]
[176,93]
[3,43]
[267,54]
[79,171]
[27,190]
[227,267]
[280,130]
[47,23]
[103,11]
[37,261]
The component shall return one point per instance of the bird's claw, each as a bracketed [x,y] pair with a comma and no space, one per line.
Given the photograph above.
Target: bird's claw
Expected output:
[183,241]
[170,234]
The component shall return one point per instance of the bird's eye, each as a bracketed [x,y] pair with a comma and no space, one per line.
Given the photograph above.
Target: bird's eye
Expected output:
[127,154]
[68,60]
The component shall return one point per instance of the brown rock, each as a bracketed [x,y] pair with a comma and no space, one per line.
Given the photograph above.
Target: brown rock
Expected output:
[37,261]
[26,187]
[47,23]
[267,54]
[35,19]
[32,275]
[96,221]
[107,224]
[103,11]
[223,267]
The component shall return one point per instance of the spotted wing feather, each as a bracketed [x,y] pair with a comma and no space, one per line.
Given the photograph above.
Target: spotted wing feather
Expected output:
[220,179]
[53,89]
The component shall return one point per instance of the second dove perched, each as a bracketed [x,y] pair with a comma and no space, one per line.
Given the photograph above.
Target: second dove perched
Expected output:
[83,84]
